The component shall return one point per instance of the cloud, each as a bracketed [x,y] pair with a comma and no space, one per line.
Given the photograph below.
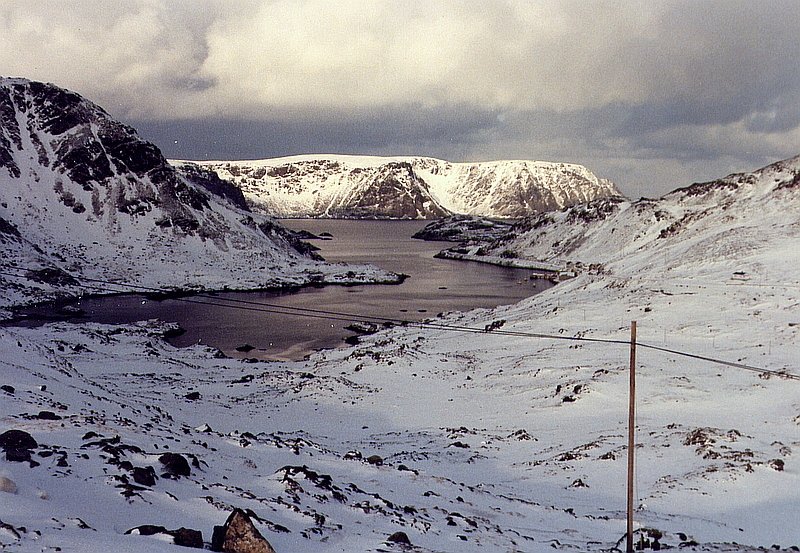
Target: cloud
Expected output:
[736,56]
[613,82]
[238,59]
[134,58]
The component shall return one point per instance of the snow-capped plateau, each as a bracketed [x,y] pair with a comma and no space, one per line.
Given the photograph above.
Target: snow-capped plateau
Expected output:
[340,186]
[494,430]
[82,196]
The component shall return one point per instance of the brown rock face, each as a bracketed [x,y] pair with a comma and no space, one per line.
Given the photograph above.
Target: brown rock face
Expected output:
[238,535]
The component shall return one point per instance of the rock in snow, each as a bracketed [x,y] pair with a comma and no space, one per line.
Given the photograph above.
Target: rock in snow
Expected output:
[238,535]
[185,537]
[407,187]
[7,485]
[175,465]
[400,538]
[17,439]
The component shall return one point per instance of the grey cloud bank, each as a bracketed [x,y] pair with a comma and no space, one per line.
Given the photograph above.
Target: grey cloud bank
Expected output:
[652,95]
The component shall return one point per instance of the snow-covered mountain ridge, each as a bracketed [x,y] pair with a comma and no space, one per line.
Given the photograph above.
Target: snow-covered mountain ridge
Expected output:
[717,220]
[341,186]
[81,195]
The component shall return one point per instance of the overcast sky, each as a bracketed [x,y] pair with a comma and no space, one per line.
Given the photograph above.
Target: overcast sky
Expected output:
[651,94]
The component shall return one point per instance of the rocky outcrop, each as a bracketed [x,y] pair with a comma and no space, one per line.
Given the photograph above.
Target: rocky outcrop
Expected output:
[81,143]
[209,180]
[239,535]
[100,167]
[394,191]
[185,537]
[464,228]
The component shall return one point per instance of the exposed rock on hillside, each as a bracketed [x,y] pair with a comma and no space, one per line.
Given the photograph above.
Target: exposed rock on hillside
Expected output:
[209,180]
[238,535]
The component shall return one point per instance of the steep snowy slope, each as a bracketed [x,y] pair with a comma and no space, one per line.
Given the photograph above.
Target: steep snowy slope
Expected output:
[408,187]
[83,195]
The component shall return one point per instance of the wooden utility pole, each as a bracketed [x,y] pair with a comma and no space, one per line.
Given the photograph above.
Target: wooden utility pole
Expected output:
[631,436]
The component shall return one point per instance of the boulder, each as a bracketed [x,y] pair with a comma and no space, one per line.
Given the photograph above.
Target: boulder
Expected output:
[146,476]
[18,444]
[399,538]
[239,535]
[17,439]
[376,460]
[175,464]
[7,485]
[19,455]
[185,537]
[777,464]
[188,537]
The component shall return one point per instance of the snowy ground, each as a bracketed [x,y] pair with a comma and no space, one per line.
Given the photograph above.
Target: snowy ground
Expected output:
[489,441]
[481,441]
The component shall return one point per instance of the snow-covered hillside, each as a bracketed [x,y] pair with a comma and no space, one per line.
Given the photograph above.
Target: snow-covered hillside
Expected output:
[408,187]
[510,438]
[81,195]
[745,223]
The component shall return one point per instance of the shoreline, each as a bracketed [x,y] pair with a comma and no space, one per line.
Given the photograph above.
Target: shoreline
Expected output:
[542,269]
[60,304]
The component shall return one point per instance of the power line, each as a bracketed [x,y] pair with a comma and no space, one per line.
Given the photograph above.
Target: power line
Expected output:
[736,365]
[265,307]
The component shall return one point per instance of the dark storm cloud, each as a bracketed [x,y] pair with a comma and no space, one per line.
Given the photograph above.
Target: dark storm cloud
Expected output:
[407,130]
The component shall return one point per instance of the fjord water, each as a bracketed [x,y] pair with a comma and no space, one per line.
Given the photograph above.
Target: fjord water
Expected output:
[433,286]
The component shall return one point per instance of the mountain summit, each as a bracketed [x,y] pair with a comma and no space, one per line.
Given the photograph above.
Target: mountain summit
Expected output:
[408,187]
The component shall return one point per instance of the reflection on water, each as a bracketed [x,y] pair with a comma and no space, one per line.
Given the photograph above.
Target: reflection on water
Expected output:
[253,318]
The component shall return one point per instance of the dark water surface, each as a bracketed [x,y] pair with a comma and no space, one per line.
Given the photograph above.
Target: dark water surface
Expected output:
[433,286]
